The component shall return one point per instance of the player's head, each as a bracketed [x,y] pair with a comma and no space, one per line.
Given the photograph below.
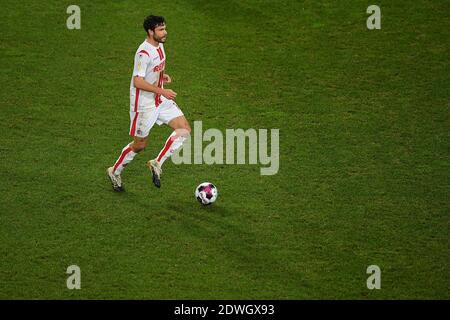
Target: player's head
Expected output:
[155,27]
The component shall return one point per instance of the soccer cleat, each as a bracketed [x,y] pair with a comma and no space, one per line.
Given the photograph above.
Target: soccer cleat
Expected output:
[115,179]
[155,167]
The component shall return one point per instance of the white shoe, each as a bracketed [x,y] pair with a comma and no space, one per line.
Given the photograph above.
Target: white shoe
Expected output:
[115,179]
[156,170]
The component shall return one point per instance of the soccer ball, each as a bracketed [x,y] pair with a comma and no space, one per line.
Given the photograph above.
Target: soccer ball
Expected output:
[206,193]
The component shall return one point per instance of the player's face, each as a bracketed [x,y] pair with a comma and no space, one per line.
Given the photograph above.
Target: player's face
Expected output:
[160,34]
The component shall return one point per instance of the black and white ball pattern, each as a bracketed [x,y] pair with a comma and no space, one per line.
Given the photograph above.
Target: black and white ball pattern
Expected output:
[206,193]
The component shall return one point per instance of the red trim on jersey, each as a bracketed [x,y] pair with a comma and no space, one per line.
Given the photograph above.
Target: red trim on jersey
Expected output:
[136,100]
[133,126]
[144,52]
[161,78]
[122,156]
[167,146]
[158,96]
[136,104]
[161,55]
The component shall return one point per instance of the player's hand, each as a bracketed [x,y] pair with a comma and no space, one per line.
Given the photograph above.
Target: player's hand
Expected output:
[167,78]
[169,94]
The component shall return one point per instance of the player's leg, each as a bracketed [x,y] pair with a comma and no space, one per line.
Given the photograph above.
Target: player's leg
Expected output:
[169,114]
[128,153]
[182,130]
[141,123]
[126,156]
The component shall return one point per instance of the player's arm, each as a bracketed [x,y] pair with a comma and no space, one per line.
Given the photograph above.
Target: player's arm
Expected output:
[140,83]
[141,63]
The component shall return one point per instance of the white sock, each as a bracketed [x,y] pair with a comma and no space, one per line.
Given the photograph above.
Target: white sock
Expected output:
[174,142]
[125,158]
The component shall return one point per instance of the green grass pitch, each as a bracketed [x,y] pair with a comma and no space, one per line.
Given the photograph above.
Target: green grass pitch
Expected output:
[364,152]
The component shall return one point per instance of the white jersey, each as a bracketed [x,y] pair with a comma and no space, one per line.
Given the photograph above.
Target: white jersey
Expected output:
[149,63]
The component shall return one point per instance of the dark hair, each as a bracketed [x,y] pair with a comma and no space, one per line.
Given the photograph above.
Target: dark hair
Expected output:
[151,22]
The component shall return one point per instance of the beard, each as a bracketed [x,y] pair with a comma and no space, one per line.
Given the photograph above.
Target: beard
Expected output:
[158,39]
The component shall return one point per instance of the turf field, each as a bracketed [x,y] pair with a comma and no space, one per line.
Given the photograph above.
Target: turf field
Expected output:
[364,152]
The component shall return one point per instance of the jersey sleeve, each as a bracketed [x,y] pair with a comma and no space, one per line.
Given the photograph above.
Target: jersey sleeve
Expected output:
[141,62]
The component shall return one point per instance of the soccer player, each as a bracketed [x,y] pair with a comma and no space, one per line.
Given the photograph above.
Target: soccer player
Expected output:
[151,103]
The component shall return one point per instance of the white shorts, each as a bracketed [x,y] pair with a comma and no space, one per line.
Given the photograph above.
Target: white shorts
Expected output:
[142,122]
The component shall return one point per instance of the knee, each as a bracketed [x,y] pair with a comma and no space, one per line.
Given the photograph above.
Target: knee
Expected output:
[187,129]
[183,131]
[138,146]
